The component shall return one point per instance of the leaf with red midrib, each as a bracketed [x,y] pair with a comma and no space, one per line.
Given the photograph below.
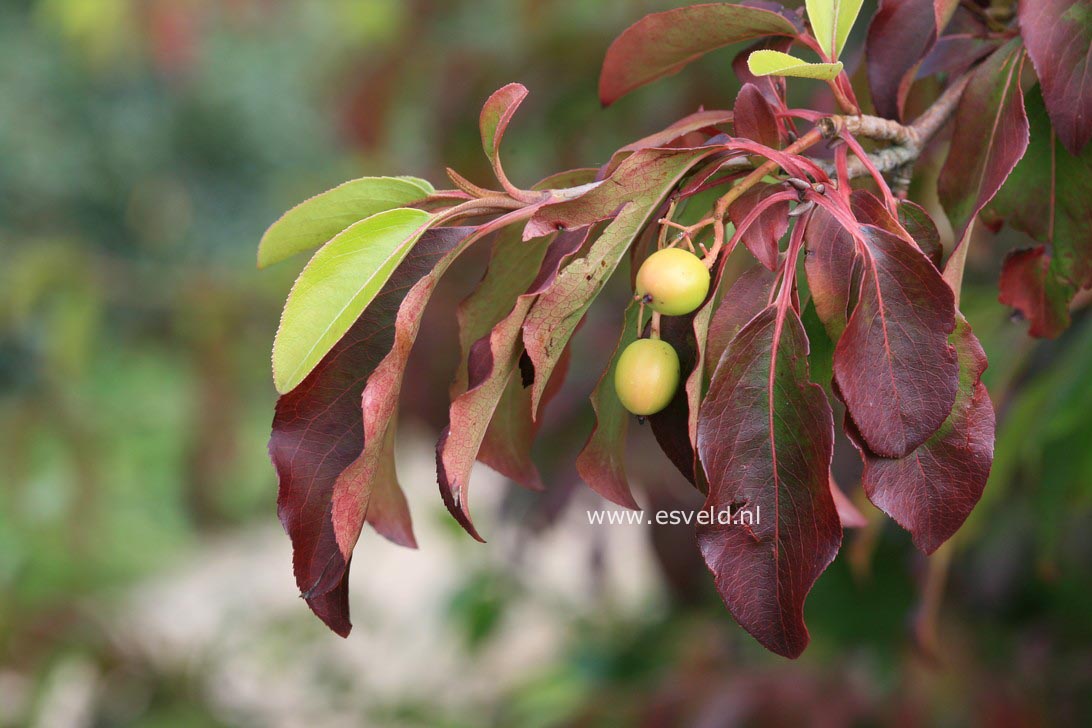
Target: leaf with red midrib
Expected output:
[893,365]
[765,438]
[990,137]
[317,433]
[931,491]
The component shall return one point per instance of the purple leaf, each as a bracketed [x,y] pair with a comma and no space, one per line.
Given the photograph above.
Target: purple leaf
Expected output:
[661,44]
[755,118]
[765,438]
[931,491]
[830,260]
[991,134]
[901,33]
[671,425]
[747,297]
[893,365]
[317,433]
[762,236]
[1058,34]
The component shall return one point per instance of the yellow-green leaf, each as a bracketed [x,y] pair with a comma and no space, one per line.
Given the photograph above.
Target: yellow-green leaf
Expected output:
[776,63]
[831,21]
[312,222]
[336,286]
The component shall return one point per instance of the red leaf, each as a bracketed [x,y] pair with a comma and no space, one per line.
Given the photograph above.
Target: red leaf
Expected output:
[661,44]
[955,54]
[1028,286]
[496,113]
[755,118]
[671,425]
[991,134]
[893,365]
[317,433]
[1047,196]
[493,362]
[901,33]
[931,491]
[748,296]
[765,437]
[762,236]
[913,223]
[1058,34]
[830,260]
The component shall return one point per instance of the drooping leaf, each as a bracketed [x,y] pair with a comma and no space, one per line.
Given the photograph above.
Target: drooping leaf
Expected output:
[848,514]
[776,63]
[661,44]
[1058,35]
[755,118]
[379,400]
[831,21]
[671,425]
[893,365]
[931,491]
[991,134]
[494,360]
[762,236]
[902,32]
[315,221]
[1046,196]
[602,461]
[513,266]
[1029,286]
[336,287]
[317,433]
[830,261]
[747,297]
[640,183]
[765,438]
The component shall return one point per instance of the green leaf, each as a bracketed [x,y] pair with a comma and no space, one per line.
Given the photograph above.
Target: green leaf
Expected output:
[776,63]
[313,222]
[831,21]
[335,288]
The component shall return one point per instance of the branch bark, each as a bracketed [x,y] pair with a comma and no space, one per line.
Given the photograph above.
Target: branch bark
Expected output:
[907,141]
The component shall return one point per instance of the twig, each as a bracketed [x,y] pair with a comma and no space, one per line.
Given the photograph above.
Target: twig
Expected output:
[907,141]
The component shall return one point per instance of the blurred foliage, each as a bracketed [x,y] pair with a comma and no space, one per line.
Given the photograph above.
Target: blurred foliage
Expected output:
[145,145]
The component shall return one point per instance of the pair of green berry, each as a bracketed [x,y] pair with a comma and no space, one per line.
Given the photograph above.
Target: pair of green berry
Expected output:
[672,282]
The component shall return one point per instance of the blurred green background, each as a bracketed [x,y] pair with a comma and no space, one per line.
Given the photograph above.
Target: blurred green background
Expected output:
[144,580]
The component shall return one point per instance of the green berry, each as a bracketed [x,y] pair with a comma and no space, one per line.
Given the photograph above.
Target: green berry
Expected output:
[647,376]
[673,281]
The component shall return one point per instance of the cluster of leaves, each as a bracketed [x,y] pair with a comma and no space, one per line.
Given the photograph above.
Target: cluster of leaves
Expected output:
[867,318]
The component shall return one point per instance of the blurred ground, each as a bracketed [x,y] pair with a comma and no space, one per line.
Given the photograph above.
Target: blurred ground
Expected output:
[145,145]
